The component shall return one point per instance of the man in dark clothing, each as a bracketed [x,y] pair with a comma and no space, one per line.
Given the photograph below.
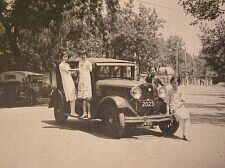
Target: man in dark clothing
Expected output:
[153,79]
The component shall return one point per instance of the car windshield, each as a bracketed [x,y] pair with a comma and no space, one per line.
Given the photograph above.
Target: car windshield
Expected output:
[13,77]
[106,72]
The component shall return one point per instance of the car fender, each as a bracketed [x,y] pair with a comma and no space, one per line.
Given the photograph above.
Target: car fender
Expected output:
[118,101]
[55,98]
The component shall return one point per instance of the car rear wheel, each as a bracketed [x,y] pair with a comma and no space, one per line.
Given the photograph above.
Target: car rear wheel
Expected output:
[169,127]
[59,114]
[113,122]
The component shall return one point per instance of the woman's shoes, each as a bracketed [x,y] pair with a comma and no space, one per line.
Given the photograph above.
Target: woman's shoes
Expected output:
[185,138]
[84,116]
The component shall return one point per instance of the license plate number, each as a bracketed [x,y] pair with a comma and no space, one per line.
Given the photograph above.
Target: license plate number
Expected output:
[147,103]
[22,94]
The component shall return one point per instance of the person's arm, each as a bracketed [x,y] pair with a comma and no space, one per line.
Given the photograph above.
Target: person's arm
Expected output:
[89,66]
[159,81]
[64,67]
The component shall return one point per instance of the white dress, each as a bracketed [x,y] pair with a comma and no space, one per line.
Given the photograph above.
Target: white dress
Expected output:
[173,99]
[67,81]
[84,85]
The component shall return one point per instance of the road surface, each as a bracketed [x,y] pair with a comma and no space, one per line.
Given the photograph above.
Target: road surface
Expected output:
[30,138]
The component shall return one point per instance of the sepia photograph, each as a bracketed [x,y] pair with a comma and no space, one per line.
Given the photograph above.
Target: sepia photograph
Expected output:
[112,83]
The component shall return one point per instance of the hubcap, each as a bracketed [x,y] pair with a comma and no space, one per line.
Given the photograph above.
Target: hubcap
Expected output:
[111,120]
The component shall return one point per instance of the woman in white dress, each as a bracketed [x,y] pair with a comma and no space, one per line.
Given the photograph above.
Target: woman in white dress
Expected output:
[175,100]
[68,83]
[84,85]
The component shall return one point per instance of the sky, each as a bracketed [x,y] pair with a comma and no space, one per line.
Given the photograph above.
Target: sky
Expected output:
[177,23]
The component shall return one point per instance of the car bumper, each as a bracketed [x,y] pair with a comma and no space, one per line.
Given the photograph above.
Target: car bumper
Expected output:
[149,119]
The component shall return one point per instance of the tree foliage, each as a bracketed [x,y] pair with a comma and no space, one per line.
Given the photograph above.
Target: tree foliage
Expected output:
[136,36]
[213,41]
[33,31]
[203,9]
[19,16]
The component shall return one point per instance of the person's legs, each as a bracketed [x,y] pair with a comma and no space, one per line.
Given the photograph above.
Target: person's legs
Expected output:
[89,109]
[84,109]
[181,123]
[72,107]
[186,126]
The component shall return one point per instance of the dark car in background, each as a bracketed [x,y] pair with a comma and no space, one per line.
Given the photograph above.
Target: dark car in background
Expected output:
[22,88]
[119,100]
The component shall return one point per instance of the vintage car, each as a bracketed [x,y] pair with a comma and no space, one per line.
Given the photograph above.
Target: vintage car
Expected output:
[19,87]
[165,74]
[118,99]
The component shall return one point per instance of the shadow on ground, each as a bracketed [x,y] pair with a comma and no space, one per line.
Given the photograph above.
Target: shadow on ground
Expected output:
[217,119]
[218,93]
[218,106]
[207,113]
[40,102]
[95,128]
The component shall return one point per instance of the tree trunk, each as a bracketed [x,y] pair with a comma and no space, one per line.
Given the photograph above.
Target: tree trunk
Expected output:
[16,53]
[12,37]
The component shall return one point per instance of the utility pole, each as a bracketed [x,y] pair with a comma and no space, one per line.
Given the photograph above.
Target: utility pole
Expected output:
[193,68]
[185,62]
[177,62]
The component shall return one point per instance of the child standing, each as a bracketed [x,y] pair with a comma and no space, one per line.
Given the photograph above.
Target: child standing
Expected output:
[175,100]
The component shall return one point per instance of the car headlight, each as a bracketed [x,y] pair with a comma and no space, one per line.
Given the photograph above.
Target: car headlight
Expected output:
[136,92]
[162,92]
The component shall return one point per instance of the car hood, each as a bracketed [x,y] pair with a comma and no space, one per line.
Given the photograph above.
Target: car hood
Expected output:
[118,83]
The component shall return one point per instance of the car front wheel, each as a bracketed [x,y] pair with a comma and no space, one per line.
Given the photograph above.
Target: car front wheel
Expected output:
[59,114]
[113,122]
[168,128]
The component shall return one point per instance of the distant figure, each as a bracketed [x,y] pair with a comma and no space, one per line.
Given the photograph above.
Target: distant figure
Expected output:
[175,100]
[84,85]
[67,82]
[153,79]
[202,81]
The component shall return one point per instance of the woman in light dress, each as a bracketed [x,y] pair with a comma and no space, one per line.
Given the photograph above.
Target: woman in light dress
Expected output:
[84,85]
[68,83]
[175,100]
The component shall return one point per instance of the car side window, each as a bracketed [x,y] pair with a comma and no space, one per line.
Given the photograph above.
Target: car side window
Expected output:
[128,72]
[103,72]
[117,72]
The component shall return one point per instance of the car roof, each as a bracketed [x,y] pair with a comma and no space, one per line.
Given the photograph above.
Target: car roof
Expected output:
[103,60]
[168,70]
[26,73]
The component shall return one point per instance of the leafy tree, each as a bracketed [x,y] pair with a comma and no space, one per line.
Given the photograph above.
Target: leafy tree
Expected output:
[174,46]
[169,49]
[213,41]
[82,27]
[136,35]
[203,9]
[17,16]
[39,28]
[4,50]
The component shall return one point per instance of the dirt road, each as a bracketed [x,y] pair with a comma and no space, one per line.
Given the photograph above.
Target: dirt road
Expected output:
[30,138]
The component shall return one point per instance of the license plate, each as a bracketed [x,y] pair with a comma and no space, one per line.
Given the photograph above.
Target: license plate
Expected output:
[147,103]
[22,94]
